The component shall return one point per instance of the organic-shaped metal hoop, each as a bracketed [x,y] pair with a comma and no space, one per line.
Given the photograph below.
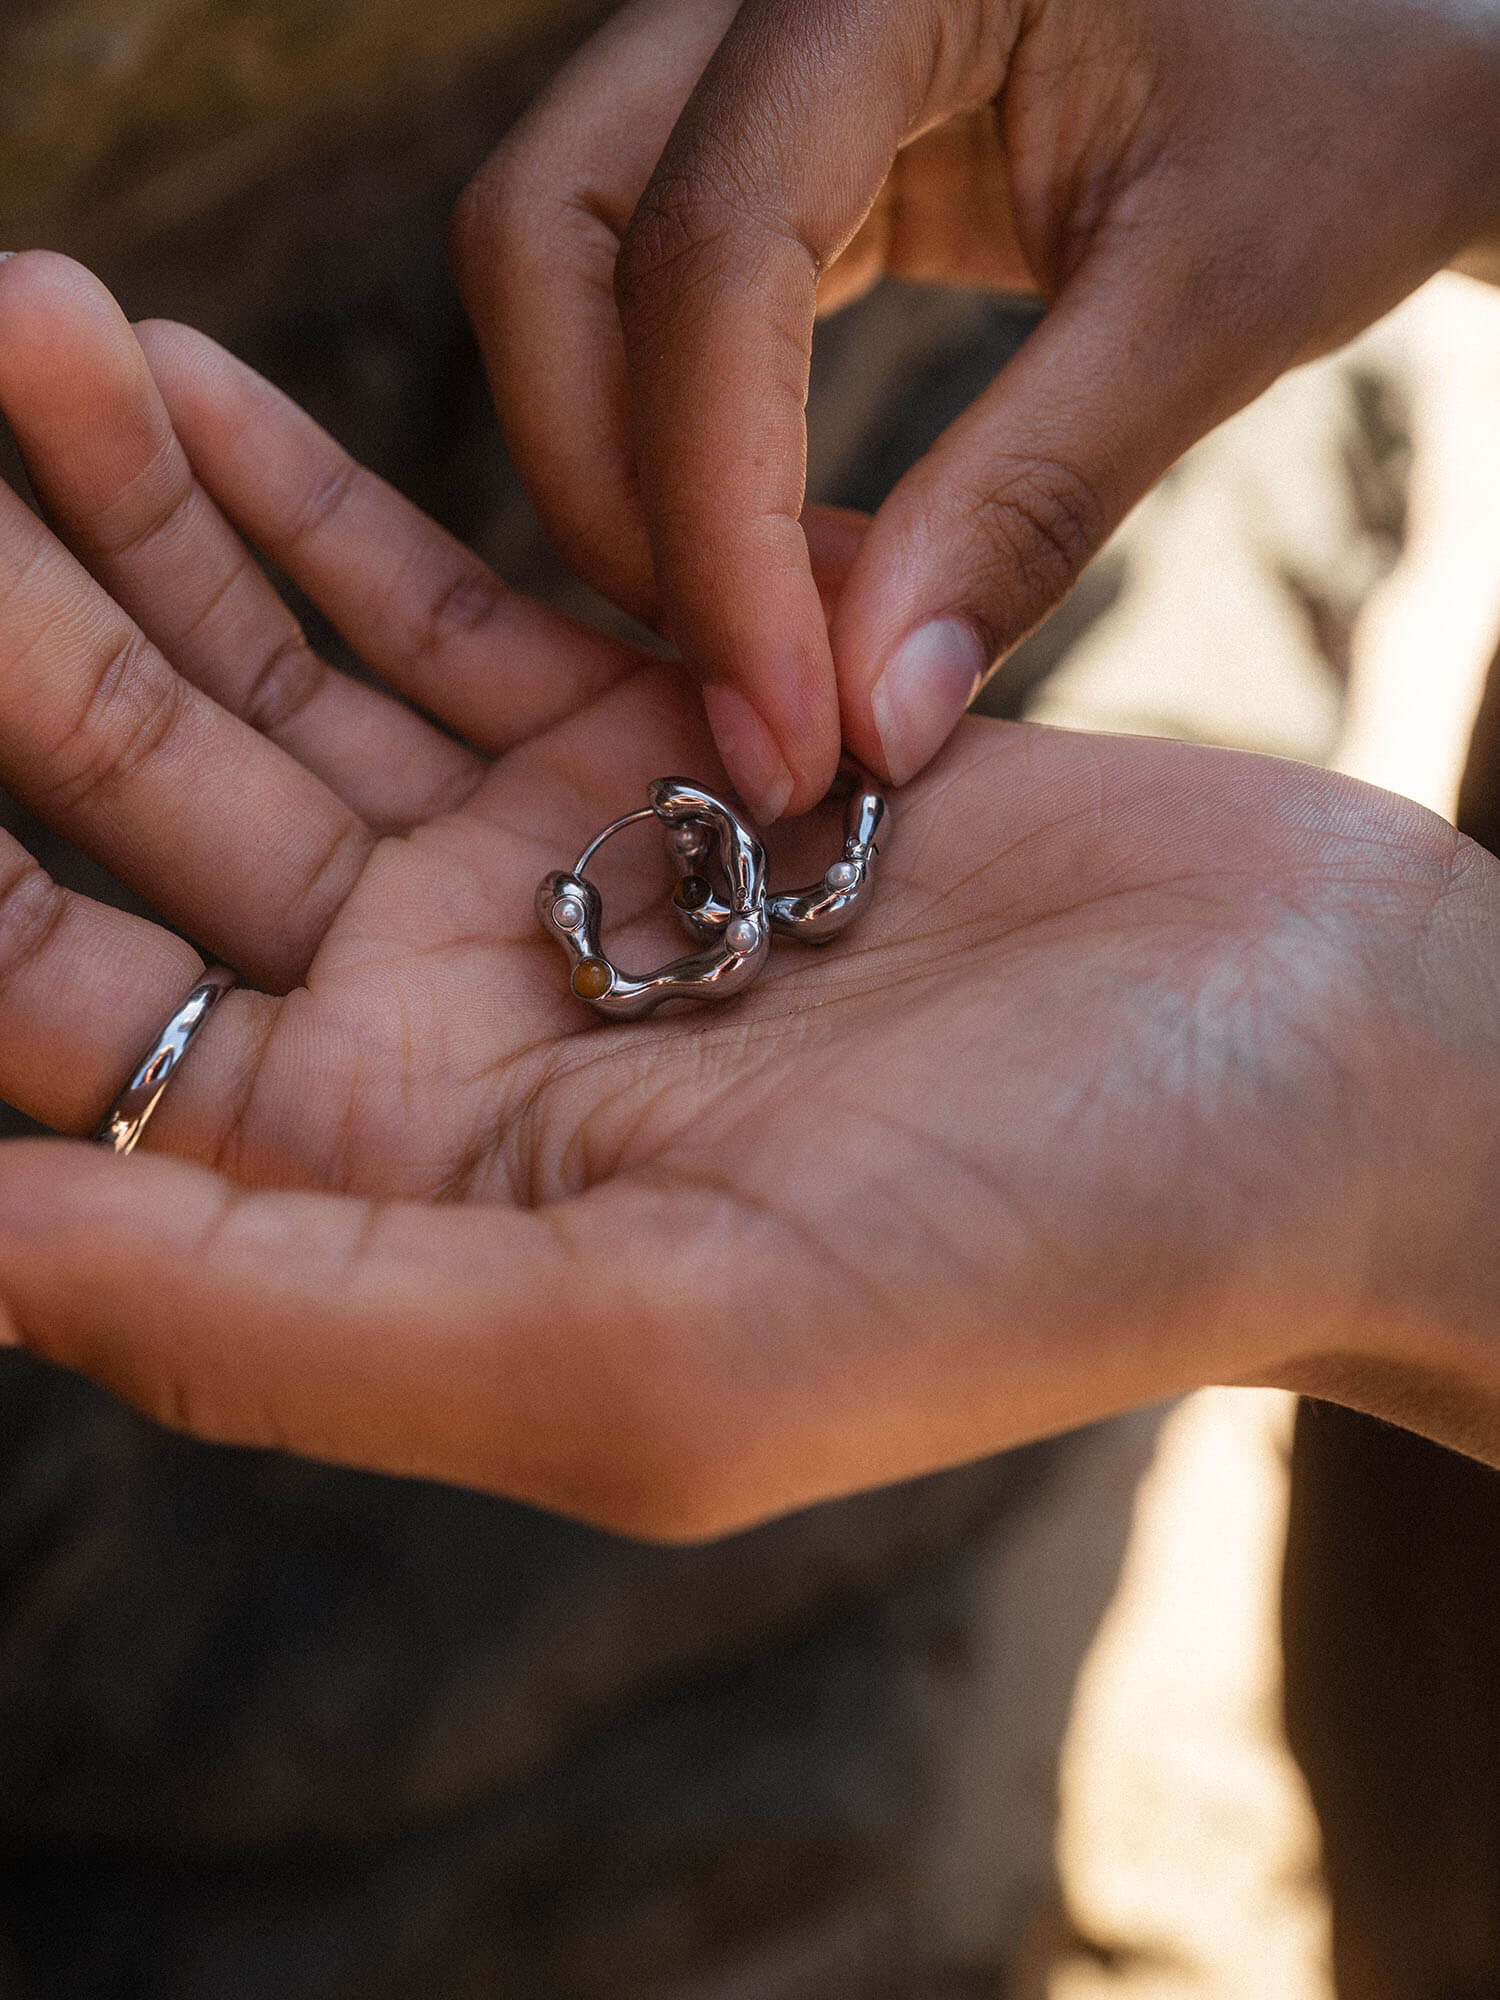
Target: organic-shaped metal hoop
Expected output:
[571,911]
[813,915]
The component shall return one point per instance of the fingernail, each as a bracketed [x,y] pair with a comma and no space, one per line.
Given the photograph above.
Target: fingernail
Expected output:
[749,751]
[6,255]
[923,689]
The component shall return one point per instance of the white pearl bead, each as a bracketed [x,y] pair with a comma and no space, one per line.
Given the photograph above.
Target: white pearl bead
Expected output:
[742,934]
[842,875]
[567,913]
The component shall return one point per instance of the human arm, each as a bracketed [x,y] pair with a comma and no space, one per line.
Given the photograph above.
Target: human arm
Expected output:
[1152,1065]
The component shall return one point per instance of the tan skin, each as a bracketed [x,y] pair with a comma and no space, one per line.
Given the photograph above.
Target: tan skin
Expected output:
[1205,194]
[1153,1065]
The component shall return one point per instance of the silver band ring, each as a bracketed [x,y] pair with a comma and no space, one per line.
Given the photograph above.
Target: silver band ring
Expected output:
[122,1129]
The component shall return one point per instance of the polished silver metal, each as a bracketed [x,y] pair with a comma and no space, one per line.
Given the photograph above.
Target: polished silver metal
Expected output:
[122,1129]
[570,910]
[615,826]
[814,915]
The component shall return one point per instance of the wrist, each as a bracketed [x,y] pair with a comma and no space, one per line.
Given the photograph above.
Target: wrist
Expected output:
[1421,1340]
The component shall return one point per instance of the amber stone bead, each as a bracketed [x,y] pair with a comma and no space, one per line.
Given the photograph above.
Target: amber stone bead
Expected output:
[692,892]
[592,979]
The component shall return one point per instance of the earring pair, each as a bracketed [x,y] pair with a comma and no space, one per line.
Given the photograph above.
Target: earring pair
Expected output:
[721,898]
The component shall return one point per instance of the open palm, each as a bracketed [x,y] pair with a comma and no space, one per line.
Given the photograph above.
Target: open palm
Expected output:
[1032,1143]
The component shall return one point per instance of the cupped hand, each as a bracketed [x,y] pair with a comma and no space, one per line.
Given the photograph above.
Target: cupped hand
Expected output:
[1204,194]
[1150,1065]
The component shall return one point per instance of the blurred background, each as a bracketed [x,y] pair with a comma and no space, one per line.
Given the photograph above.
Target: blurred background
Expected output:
[1022,1730]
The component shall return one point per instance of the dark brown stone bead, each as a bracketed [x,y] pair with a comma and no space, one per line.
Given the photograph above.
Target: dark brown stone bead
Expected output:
[692,892]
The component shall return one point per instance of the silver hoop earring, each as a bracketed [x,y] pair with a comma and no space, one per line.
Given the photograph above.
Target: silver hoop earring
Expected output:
[572,912]
[814,915]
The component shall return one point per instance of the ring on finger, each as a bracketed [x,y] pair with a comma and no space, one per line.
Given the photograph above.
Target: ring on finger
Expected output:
[128,1116]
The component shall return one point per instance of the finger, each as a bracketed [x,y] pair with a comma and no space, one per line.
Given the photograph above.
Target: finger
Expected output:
[534,243]
[83,988]
[989,531]
[527,1352]
[224,834]
[834,536]
[103,458]
[782,148]
[418,607]
[638,1355]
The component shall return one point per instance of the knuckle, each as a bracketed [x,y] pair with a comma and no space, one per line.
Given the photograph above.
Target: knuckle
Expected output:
[326,885]
[1038,525]
[158,501]
[324,502]
[133,707]
[487,215]
[32,907]
[285,683]
[691,230]
[469,600]
[667,236]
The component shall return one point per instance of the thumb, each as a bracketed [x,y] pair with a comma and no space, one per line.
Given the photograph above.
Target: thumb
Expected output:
[989,531]
[534,1353]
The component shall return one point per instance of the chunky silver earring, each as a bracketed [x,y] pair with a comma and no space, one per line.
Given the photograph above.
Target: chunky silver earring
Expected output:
[571,911]
[721,898]
[814,915]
